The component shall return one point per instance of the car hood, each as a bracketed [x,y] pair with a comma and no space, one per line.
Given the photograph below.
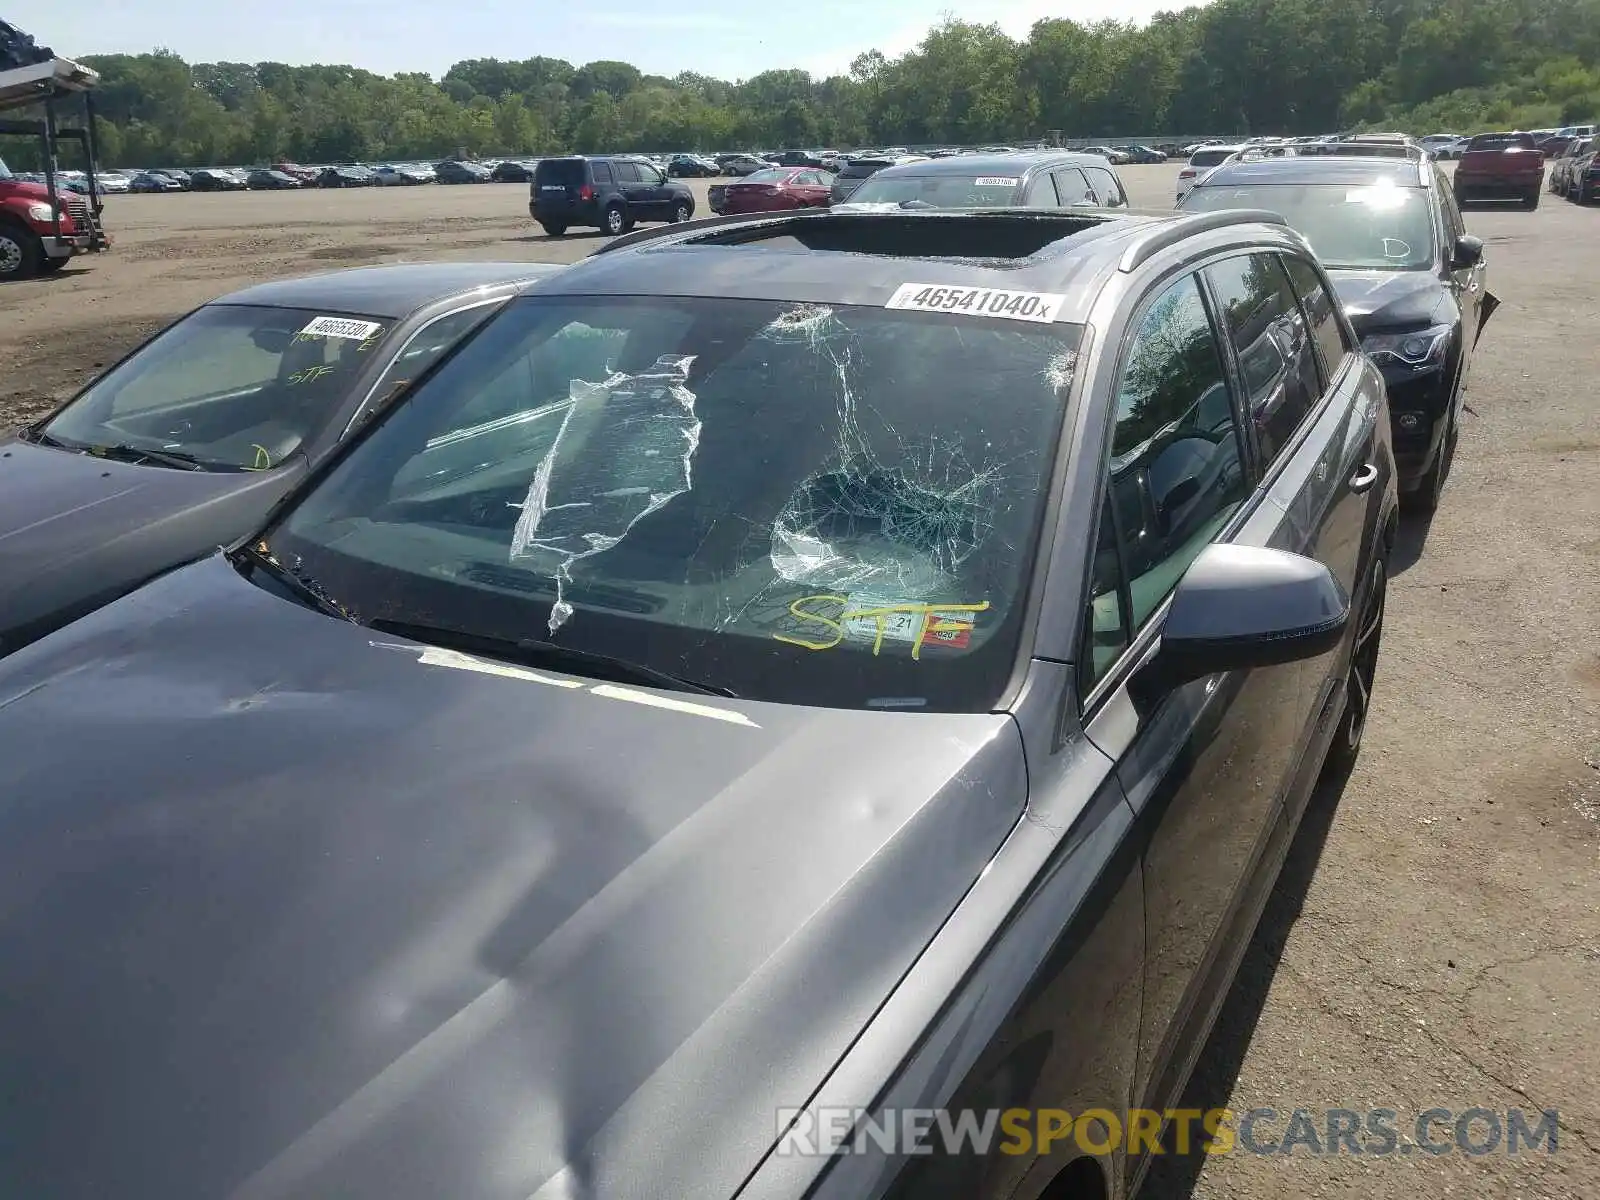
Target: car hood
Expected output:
[1377,300]
[22,189]
[292,908]
[74,527]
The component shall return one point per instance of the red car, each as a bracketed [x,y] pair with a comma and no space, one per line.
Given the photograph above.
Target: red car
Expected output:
[777,190]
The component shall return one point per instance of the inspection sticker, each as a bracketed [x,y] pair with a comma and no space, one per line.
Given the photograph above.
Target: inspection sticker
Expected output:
[1039,307]
[341,327]
[870,619]
[997,181]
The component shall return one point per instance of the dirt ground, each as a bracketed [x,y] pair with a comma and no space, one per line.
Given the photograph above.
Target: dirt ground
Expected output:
[1435,938]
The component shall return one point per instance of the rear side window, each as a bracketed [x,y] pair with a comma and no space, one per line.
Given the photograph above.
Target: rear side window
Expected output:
[1107,190]
[1269,334]
[602,172]
[1209,158]
[1071,187]
[1319,308]
[566,172]
[625,172]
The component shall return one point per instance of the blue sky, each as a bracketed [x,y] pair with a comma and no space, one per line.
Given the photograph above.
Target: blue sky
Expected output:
[731,39]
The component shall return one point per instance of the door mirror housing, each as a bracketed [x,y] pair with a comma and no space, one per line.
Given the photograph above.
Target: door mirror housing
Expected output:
[1468,252]
[1242,607]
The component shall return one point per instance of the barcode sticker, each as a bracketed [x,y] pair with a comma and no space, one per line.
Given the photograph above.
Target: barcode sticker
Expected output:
[1039,307]
[341,327]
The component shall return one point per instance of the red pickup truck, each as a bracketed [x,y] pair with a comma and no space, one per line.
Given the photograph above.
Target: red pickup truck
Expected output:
[1501,166]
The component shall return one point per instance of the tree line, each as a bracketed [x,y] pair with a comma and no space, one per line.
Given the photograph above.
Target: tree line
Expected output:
[1234,67]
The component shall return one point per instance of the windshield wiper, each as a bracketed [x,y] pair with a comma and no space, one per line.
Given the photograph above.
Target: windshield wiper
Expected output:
[305,589]
[171,458]
[529,652]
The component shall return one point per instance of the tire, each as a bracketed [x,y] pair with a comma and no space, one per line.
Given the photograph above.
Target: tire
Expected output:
[553,228]
[1531,200]
[680,212]
[1362,672]
[20,252]
[49,266]
[614,221]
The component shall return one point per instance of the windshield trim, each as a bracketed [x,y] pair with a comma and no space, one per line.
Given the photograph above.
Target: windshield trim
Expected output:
[1036,543]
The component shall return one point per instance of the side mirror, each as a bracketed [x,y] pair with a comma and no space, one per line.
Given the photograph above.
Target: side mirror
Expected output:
[1468,253]
[1242,607]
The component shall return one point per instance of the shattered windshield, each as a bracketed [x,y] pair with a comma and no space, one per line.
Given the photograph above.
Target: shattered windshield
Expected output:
[822,505]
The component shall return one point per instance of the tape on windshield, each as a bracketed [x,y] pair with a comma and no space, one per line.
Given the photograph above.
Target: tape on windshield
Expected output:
[341,327]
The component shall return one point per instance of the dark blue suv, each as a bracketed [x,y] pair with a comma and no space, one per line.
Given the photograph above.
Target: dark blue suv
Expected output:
[610,194]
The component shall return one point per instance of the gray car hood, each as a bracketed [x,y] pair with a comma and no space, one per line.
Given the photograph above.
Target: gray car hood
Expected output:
[76,529]
[292,908]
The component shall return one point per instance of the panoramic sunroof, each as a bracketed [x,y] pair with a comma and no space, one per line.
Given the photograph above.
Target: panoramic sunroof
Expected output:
[968,236]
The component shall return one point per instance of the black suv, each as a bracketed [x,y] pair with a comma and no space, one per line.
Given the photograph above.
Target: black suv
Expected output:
[611,194]
[1408,273]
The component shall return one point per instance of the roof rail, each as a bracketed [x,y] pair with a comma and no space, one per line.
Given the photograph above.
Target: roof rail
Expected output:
[690,228]
[1164,234]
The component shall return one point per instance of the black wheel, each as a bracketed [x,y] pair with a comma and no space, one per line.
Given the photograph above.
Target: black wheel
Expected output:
[553,228]
[680,212]
[615,221]
[20,252]
[1531,200]
[49,266]
[1346,747]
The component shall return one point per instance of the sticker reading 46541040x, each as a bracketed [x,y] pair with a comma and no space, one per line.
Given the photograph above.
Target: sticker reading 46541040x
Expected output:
[1039,307]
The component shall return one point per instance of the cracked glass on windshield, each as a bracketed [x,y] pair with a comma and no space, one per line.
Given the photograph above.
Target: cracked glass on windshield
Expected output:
[811,504]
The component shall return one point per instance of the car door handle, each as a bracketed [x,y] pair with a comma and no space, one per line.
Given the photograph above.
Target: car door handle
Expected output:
[1364,478]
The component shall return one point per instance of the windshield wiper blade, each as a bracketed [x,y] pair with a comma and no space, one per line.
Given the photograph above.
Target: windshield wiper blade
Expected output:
[529,652]
[171,458]
[305,589]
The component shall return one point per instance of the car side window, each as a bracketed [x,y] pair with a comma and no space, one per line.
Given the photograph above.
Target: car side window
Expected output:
[1071,187]
[1455,226]
[1176,473]
[652,175]
[1320,309]
[808,179]
[422,349]
[602,172]
[1106,630]
[1106,187]
[1269,334]
[626,172]
[1041,192]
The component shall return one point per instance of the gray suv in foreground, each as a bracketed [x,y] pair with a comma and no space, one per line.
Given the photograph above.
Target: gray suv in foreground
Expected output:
[782,672]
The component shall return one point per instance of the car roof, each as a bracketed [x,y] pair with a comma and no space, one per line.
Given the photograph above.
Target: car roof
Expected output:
[392,292]
[852,258]
[995,164]
[1332,169]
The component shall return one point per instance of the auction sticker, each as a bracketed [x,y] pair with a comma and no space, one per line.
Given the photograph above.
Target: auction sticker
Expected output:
[341,327]
[997,181]
[1038,307]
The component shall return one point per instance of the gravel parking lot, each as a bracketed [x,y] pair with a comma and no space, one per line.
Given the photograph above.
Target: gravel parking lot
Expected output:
[1435,939]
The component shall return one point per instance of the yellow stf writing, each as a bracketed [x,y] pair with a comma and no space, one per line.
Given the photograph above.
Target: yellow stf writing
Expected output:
[931,619]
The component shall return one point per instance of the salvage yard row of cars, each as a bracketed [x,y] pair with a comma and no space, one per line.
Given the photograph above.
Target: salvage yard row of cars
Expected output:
[416,684]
